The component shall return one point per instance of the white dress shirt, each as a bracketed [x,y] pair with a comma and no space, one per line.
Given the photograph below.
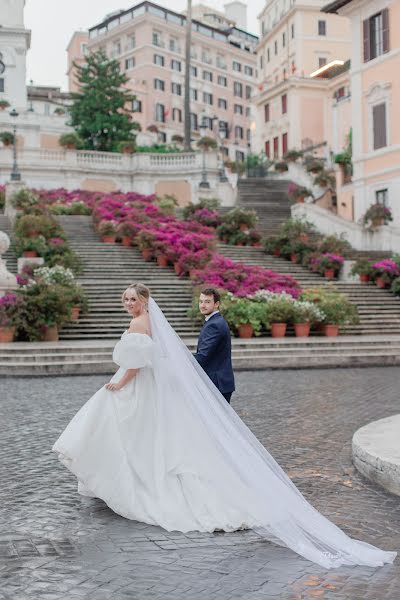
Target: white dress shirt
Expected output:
[212,314]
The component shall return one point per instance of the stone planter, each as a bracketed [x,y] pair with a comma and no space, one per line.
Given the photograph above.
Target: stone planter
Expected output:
[302,329]
[162,260]
[7,335]
[278,330]
[331,330]
[51,334]
[245,331]
[75,311]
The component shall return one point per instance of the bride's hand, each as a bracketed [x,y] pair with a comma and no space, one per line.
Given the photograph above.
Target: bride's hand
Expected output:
[113,387]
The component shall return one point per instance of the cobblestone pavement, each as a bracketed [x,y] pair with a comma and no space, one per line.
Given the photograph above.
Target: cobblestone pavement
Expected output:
[56,545]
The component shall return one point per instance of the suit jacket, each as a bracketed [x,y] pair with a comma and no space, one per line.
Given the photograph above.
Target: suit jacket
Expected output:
[214,353]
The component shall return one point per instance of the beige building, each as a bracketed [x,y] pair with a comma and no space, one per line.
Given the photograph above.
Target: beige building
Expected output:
[149,42]
[299,52]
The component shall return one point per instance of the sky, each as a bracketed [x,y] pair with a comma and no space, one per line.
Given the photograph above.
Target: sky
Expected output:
[53,22]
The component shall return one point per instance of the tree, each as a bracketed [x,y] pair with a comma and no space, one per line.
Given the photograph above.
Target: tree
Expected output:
[98,113]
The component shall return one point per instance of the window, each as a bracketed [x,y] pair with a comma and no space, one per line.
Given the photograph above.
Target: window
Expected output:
[248,71]
[284,144]
[176,88]
[283,39]
[266,113]
[276,147]
[321,27]
[176,65]
[116,51]
[376,35]
[247,112]
[174,45]
[205,57]
[239,156]
[379,126]
[207,122]
[223,127]
[222,103]
[238,89]
[193,122]
[261,61]
[207,98]
[158,60]
[157,39]
[207,76]
[84,49]
[268,55]
[321,61]
[292,30]
[193,94]
[340,93]
[162,136]
[193,71]
[137,105]
[238,109]
[129,63]
[267,149]
[177,115]
[131,42]
[276,47]
[238,132]
[381,197]
[248,92]
[222,80]
[160,113]
[159,84]
[236,66]
[221,62]
[284,104]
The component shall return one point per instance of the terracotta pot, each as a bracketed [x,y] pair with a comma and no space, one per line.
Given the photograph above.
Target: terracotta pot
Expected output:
[245,330]
[30,254]
[178,269]
[364,278]
[378,222]
[300,200]
[302,329]
[257,245]
[147,254]
[278,329]
[243,227]
[329,273]
[51,334]
[239,244]
[126,240]
[108,239]
[276,252]
[7,334]
[380,282]
[162,260]
[75,310]
[32,234]
[331,330]
[294,258]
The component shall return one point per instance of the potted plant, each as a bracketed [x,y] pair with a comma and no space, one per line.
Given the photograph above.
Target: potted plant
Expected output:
[108,231]
[329,264]
[4,104]
[363,268]
[240,238]
[9,307]
[127,147]
[127,231]
[31,247]
[7,138]
[279,311]
[244,317]
[59,111]
[207,143]
[292,155]
[146,241]
[298,193]
[338,311]
[281,166]
[70,141]
[152,128]
[255,238]
[242,219]
[325,179]
[376,216]
[77,300]
[305,314]
[384,272]
[314,166]
[178,139]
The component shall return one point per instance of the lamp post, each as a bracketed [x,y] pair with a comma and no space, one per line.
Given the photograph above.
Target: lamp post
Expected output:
[204,183]
[223,134]
[15,174]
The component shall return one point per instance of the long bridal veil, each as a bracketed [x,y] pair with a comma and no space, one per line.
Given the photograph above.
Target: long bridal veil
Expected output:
[206,437]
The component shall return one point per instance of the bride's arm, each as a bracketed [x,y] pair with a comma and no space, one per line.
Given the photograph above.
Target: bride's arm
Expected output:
[128,376]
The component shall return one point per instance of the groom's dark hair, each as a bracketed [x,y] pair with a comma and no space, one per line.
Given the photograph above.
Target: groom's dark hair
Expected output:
[212,292]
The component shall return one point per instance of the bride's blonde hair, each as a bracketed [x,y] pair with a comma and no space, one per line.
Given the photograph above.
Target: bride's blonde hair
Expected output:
[142,292]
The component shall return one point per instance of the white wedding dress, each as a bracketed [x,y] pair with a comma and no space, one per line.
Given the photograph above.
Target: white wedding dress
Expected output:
[169,450]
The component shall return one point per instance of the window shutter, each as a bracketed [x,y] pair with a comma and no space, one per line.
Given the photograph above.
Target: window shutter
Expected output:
[367,47]
[379,126]
[385,29]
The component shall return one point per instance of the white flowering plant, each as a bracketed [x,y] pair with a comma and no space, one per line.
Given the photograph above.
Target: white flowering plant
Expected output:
[56,275]
[306,312]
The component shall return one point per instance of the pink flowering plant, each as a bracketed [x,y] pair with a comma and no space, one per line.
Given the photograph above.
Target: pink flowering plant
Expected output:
[388,270]
[376,215]
[10,304]
[327,261]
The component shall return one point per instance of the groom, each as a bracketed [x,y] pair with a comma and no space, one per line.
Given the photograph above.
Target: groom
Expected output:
[214,345]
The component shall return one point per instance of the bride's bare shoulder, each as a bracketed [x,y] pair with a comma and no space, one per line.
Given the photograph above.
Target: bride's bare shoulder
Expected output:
[140,325]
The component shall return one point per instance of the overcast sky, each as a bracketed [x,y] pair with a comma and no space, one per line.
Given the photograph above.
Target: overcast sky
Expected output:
[52,23]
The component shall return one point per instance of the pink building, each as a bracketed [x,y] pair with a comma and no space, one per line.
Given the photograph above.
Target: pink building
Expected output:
[298,55]
[375,119]
[149,42]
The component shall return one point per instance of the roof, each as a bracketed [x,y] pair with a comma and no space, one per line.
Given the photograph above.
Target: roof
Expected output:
[334,6]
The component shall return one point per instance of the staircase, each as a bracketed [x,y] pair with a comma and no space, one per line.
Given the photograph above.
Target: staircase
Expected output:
[379,310]
[108,270]
[268,197]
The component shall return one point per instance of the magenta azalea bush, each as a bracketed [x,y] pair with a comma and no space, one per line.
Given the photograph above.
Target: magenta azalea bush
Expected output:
[327,261]
[388,270]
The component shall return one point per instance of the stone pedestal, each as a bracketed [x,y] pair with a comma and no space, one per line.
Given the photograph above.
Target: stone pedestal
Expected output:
[345,273]
[12,187]
[8,281]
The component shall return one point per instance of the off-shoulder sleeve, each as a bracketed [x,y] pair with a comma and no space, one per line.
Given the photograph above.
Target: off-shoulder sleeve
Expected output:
[134,351]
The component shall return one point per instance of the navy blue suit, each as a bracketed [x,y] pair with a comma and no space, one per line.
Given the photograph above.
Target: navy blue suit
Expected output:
[214,354]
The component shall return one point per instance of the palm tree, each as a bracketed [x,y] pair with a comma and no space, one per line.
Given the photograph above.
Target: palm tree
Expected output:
[187,145]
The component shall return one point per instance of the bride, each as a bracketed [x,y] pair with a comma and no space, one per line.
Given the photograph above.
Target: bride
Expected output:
[160,444]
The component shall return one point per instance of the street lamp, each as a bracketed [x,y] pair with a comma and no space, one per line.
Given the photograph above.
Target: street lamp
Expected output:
[223,134]
[15,174]
[204,183]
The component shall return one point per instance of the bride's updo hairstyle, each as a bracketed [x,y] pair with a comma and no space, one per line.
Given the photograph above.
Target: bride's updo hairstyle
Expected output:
[142,292]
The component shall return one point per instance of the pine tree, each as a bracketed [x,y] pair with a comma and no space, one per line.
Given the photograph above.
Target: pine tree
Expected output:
[98,113]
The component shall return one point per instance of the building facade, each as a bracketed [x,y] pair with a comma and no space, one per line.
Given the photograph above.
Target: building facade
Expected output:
[375,94]
[299,47]
[149,42]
